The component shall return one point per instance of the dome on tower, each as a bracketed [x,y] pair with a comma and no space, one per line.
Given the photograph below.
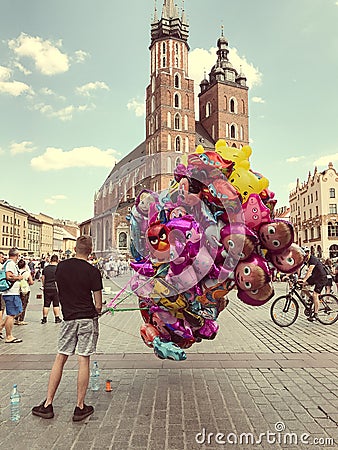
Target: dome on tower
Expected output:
[222,41]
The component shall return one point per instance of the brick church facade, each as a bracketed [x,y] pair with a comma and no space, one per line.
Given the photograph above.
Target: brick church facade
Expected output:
[171,128]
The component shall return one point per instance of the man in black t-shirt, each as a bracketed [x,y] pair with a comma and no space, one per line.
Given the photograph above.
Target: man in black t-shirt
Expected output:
[50,292]
[78,282]
[315,275]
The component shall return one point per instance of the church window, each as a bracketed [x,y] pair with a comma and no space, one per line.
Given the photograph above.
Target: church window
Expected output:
[332,193]
[242,133]
[177,122]
[187,144]
[177,144]
[163,61]
[163,48]
[177,81]
[176,61]
[123,241]
[176,101]
[169,142]
[177,161]
[233,132]
[185,122]
[233,105]
[208,109]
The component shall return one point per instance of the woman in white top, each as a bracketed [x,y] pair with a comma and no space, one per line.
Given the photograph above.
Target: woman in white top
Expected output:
[25,291]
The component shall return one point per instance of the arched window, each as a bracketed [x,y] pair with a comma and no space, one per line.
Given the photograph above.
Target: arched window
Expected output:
[187,144]
[332,193]
[152,125]
[163,61]
[177,144]
[176,101]
[123,241]
[208,109]
[169,119]
[163,48]
[186,122]
[177,124]
[233,105]
[233,132]
[107,236]
[177,81]
[177,161]
[242,133]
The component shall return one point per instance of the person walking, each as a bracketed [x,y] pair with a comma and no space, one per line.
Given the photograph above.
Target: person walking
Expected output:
[328,266]
[80,291]
[50,292]
[24,291]
[12,296]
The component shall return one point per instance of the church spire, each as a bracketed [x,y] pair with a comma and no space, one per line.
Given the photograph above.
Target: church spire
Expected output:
[170,24]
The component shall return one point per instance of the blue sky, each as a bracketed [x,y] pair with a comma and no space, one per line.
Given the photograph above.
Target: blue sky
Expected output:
[73,76]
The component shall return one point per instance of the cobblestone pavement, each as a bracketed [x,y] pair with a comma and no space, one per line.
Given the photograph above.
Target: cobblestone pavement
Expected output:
[253,378]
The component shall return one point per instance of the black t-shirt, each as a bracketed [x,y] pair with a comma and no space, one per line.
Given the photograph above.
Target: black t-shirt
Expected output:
[76,280]
[49,274]
[318,271]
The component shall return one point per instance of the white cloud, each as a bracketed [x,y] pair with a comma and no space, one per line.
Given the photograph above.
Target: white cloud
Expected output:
[54,198]
[63,114]
[323,161]
[5,73]
[89,88]
[258,100]
[2,152]
[50,92]
[58,159]
[48,59]
[81,56]
[14,88]
[21,147]
[295,159]
[136,106]
[22,68]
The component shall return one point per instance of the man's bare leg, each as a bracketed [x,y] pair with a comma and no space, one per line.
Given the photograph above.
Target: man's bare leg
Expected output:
[55,377]
[82,379]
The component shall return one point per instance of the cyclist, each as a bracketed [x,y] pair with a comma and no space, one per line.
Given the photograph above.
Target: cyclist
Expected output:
[315,275]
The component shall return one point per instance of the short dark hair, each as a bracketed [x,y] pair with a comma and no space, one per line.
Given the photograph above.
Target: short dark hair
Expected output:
[21,263]
[54,258]
[84,245]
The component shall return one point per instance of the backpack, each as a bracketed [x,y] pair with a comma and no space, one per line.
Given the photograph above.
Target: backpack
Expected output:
[24,286]
[4,283]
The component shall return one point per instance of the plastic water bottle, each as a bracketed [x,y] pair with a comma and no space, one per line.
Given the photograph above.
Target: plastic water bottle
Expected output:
[15,404]
[95,377]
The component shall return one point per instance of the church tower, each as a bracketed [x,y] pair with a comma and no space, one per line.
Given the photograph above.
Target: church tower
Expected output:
[170,115]
[223,100]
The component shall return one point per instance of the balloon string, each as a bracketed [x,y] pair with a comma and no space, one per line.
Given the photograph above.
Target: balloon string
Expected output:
[111,303]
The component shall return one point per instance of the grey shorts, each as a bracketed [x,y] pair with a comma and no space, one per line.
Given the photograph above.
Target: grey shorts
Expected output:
[78,336]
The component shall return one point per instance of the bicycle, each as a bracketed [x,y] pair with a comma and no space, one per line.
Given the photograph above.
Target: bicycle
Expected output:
[285,309]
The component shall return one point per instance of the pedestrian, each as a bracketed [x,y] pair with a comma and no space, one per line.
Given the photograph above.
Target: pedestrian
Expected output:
[315,275]
[328,266]
[336,276]
[12,296]
[31,266]
[50,292]
[78,282]
[24,291]
[2,302]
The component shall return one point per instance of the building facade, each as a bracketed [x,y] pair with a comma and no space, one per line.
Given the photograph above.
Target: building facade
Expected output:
[172,131]
[13,227]
[314,214]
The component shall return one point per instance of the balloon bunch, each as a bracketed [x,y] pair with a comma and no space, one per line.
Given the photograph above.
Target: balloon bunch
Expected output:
[211,231]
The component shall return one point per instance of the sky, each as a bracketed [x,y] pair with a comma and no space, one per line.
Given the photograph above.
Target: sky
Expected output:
[73,76]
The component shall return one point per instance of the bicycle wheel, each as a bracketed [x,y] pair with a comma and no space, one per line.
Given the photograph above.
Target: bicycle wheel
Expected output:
[284,311]
[328,309]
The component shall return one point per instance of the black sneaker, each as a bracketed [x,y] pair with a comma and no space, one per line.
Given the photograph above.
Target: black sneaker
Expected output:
[44,320]
[80,414]
[42,411]
[58,320]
